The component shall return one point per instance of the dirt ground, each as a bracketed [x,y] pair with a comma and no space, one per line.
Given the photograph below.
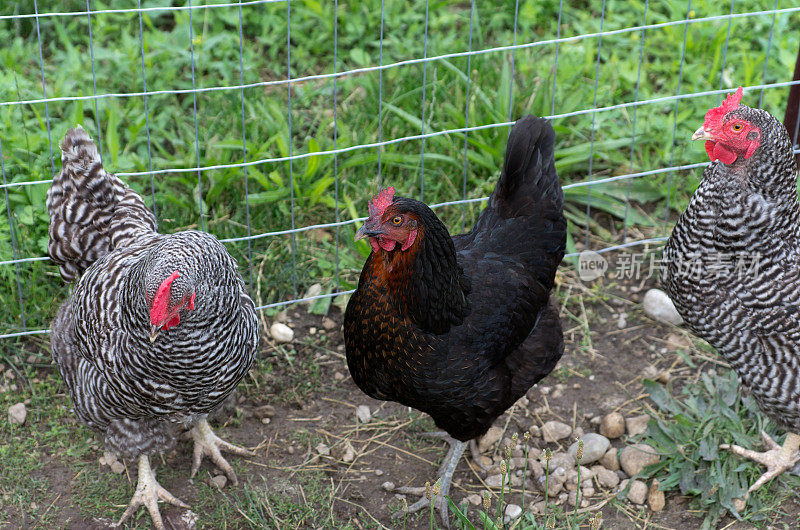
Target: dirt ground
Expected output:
[300,395]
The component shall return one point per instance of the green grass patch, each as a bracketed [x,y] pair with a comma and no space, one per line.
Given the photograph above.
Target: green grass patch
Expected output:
[687,432]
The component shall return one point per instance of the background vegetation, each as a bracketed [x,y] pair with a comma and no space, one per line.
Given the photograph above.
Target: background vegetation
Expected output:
[327,188]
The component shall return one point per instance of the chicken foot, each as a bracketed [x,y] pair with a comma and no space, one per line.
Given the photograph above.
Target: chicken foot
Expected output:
[206,443]
[445,476]
[148,493]
[473,446]
[776,458]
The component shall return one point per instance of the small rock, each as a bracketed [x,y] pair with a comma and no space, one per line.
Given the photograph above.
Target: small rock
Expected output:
[312,331]
[363,414]
[495,481]
[109,457]
[117,467]
[388,486]
[621,322]
[655,497]
[323,449]
[512,512]
[349,454]
[535,468]
[606,478]
[659,307]
[281,333]
[219,481]
[329,324]
[594,447]
[637,493]
[552,431]
[264,411]
[538,508]
[17,413]
[554,482]
[488,440]
[636,457]
[559,459]
[612,425]
[290,450]
[485,461]
[637,424]
[338,376]
[378,472]
[572,475]
[610,460]
[474,499]
[266,421]
[314,290]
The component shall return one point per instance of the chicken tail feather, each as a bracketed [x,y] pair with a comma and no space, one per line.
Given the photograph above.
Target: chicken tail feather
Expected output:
[91,211]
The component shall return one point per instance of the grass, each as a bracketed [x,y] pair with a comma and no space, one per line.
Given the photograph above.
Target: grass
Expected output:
[235,202]
[326,187]
[687,431]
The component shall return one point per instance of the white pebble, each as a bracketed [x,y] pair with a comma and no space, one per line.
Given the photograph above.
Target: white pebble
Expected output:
[17,413]
[659,307]
[363,414]
[281,333]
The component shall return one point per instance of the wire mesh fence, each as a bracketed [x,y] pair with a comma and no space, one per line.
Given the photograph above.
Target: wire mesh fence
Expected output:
[269,123]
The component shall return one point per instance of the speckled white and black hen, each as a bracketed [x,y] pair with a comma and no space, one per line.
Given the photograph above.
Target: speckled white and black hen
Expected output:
[159,329]
[734,265]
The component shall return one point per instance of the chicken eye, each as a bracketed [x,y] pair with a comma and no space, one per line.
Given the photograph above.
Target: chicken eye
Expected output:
[736,127]
[396,220]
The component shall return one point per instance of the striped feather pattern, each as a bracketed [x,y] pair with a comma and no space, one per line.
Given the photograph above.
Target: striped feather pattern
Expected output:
[91,211]
[751,316]
[122,384]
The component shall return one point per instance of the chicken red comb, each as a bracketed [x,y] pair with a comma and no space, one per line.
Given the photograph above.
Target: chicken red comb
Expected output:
[715,115]
[158,311]
[381,201]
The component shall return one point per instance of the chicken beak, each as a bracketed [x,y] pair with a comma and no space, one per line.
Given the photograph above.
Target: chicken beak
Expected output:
[702,134]
[367,230]
[154,331]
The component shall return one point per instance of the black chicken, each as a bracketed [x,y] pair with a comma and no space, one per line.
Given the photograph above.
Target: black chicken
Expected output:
[462,327]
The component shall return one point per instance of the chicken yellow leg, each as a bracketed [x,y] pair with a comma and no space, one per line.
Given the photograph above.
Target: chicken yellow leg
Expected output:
[206,443]
[777,459]
[148,493]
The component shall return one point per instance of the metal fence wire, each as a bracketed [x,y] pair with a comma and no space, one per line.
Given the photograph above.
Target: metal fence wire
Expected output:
[269,123]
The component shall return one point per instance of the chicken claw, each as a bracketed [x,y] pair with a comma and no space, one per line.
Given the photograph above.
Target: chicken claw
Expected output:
[777,459]
[148,493]
[206,443]
[445,476]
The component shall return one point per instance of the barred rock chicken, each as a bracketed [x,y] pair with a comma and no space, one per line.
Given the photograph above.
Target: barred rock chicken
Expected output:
[159,329]
[734,266]
[462,327]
